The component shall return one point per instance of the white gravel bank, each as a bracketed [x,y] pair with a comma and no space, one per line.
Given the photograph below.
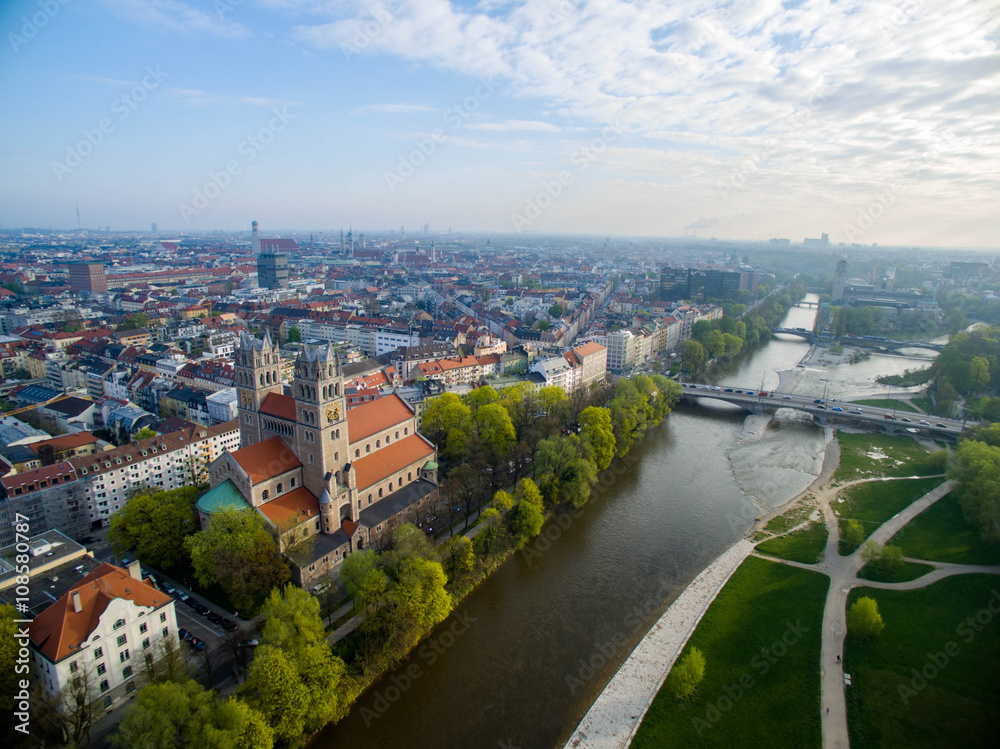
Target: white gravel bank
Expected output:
[615,716]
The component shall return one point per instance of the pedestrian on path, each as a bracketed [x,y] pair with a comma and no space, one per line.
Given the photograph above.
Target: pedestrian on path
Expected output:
[838,659]
[828,711]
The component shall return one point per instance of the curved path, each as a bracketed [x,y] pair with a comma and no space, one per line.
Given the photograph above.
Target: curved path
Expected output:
[843,573]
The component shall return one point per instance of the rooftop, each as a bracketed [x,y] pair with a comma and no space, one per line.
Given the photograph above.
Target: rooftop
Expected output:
[223,497]
[395,457]
[266,459]
[376,416]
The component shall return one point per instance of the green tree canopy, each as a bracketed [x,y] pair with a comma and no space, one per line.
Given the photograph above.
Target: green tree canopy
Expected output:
[238,552]
[528,515]
[692,356]
[481,396]
[276,690]
[291,619]
[864,619]
[294,335]
[444,414]
[563,470]
[155,525]
[687,673]
[976,468]
[495,427]
[598,433]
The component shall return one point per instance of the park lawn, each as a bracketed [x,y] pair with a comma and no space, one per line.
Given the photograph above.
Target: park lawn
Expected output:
[861,456]
[942,534]
[957,707]
[899,405]
[925,403]
[874,502]
[905,572]
[740,636]
[805,545]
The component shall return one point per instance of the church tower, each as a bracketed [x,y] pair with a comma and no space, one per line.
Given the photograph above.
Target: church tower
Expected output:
[258,374]
[320,419]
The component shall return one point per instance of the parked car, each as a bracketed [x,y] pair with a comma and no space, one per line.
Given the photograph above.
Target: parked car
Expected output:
[88,540]
[786,397]
[198,644]
[185,635]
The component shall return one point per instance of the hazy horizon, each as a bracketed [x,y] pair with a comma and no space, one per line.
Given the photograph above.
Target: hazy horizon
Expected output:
[872,122]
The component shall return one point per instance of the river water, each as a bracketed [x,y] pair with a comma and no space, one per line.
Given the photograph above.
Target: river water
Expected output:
[522,658]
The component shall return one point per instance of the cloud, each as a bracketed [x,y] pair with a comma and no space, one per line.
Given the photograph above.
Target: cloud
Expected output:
[392,109]
[200,98]
[173,16]
[507,125]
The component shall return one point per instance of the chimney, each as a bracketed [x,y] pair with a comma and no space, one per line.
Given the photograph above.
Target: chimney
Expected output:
[77,603]
[135,570]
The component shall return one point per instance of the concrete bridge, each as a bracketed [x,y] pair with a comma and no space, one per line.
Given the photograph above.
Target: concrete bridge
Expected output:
[887,420]
[883,344]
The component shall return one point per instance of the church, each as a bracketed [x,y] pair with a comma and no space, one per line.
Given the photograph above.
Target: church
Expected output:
[328,481]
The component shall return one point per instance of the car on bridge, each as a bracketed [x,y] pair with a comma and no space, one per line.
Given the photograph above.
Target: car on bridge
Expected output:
[818,400]
[856,411]
[925,423]
[837,408]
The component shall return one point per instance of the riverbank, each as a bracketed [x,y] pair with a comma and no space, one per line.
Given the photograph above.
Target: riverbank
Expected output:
[613,719]
[617,713]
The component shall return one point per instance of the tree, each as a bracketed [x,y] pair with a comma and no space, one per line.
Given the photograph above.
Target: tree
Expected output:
[291,619]
[528,515]
[976,468]
[155,525]
[495,427]
[275,689]
[563,471]
[481,396]
[598,434]
[555,311]
[491,533]
[458,558]
[237,551]
[444,414]
[8,656]
[855,533]
[144,434]
[687,674]
[692,356]
[294,335]
[864,619]
[979,373]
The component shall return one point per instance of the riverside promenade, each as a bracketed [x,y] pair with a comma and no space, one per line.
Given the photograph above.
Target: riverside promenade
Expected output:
[617,713]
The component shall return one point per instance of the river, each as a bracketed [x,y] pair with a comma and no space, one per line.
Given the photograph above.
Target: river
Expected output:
[522,658]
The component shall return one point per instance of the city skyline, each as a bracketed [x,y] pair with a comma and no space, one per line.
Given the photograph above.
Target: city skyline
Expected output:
[872,122]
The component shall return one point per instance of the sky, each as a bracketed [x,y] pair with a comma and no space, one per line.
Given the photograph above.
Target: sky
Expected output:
[869,120]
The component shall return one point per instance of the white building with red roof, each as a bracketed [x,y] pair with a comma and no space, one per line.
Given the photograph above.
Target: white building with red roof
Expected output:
[102,634]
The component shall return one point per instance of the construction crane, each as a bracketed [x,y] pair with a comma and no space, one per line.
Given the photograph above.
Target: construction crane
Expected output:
[37,405]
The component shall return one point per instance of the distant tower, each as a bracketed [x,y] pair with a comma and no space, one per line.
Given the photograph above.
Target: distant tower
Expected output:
[342,245]
[402,231]
[255,240]
[154,228]
[79,221]
[839,281]
[434,252]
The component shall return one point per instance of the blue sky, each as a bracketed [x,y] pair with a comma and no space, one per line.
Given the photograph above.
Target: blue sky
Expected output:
[872,121]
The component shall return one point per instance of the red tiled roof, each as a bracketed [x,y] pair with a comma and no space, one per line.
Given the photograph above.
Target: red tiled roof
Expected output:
[390,459]
[588,348]
[266,459]
[56,473]
[291,508]
[280,405]
[59,627]
[375,416]
[66,441]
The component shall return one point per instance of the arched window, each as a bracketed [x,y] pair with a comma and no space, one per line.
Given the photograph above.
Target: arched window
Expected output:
[280,488]
[369,499]
[397,434]
[409,475]
[387,439]
[406,430]
[262,379]
[359,504]
[357,453]
[390,486]
[336,456]
[291,484]
[378,444]
[265,495]
[368,448]
[380,494]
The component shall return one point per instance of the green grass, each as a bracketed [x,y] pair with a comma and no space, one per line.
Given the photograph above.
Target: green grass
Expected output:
[779,524]
[903,457]
[805,545]
[907,571]
[740,636]
[924,403]
[875,502]
[958,705]
[899,405]
[942,534]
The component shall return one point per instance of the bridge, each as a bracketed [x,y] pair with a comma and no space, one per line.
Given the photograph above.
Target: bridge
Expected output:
[807,305]
[883,344]
[823,411]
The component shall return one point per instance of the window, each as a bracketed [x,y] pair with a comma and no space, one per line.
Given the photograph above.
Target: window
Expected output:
[265,495]
[281,488]
[122,640]
[145,644]
[99,653]
[142,628]
[378,444]
[380,493]
[397,434]
[368,448]
[163,617]
[123,656]
[165,631]
[357,453]
[101,669]
[126,672]
[72,667]
[291,484]
[130,687]
[406,430]
[104,688]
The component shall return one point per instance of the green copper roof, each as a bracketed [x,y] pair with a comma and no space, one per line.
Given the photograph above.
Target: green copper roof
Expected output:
[222,497]
[430,465]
